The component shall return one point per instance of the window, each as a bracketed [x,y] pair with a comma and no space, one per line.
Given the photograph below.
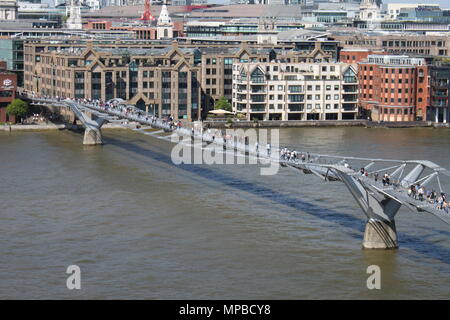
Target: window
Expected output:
[295,88]
[349,76]
[243,74]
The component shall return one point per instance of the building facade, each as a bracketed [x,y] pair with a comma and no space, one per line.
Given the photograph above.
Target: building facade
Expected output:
[162,81]
[68,69]
[397,43]
[394,88]
[295,91]
[439,108]
[8,9]
[8,86]
[11,51]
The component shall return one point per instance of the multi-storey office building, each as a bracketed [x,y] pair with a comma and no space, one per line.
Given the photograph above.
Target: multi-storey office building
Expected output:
[11,51]
[50,68]
[164,81]
[396,43]
[295,91]
[394,88]
[8,85]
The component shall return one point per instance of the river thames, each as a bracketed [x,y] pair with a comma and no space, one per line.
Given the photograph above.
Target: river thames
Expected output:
[140,227]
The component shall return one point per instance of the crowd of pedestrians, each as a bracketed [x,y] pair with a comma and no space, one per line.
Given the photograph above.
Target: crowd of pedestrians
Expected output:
[416,191]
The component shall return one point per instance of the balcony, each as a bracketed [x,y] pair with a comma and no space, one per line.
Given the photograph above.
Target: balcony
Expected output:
[351,98]
[439,104]
[257,108]
[440,84]
[349,107]
[258,91]
[441,94]
[350,89]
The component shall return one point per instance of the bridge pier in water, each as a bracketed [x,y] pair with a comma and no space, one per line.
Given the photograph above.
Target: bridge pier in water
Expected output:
[380,231]
[380,235]
[92,132]
[92,137]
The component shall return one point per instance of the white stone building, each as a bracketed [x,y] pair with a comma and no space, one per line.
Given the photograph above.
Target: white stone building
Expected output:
[370,11]
[164,26]
[302,91]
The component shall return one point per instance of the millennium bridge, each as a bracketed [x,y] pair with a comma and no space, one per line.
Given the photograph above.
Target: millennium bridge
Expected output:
[379,201]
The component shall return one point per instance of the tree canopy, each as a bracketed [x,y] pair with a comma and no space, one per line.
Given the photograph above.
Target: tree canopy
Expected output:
[223,104]
[17,108]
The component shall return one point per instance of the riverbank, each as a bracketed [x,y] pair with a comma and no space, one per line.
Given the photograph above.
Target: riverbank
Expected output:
[321,123]
[53,126]
[245,124]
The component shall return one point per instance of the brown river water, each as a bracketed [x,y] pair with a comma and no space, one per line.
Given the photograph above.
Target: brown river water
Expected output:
[139,226]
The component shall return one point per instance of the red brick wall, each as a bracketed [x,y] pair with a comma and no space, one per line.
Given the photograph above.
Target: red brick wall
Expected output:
[8,83]
[391,93]
[98,25]
[422,92]
[352,56]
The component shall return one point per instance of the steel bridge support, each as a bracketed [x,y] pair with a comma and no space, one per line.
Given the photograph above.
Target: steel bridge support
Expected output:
[379,207]
[380,231]
[92,132]
[92,136]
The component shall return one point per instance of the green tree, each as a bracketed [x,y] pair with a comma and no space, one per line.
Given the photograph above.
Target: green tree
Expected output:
[223,104]
[17,108]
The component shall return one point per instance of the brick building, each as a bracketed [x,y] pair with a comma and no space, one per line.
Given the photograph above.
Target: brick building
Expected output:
[356,55]
[8,85]
[393,88]
[137,71]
